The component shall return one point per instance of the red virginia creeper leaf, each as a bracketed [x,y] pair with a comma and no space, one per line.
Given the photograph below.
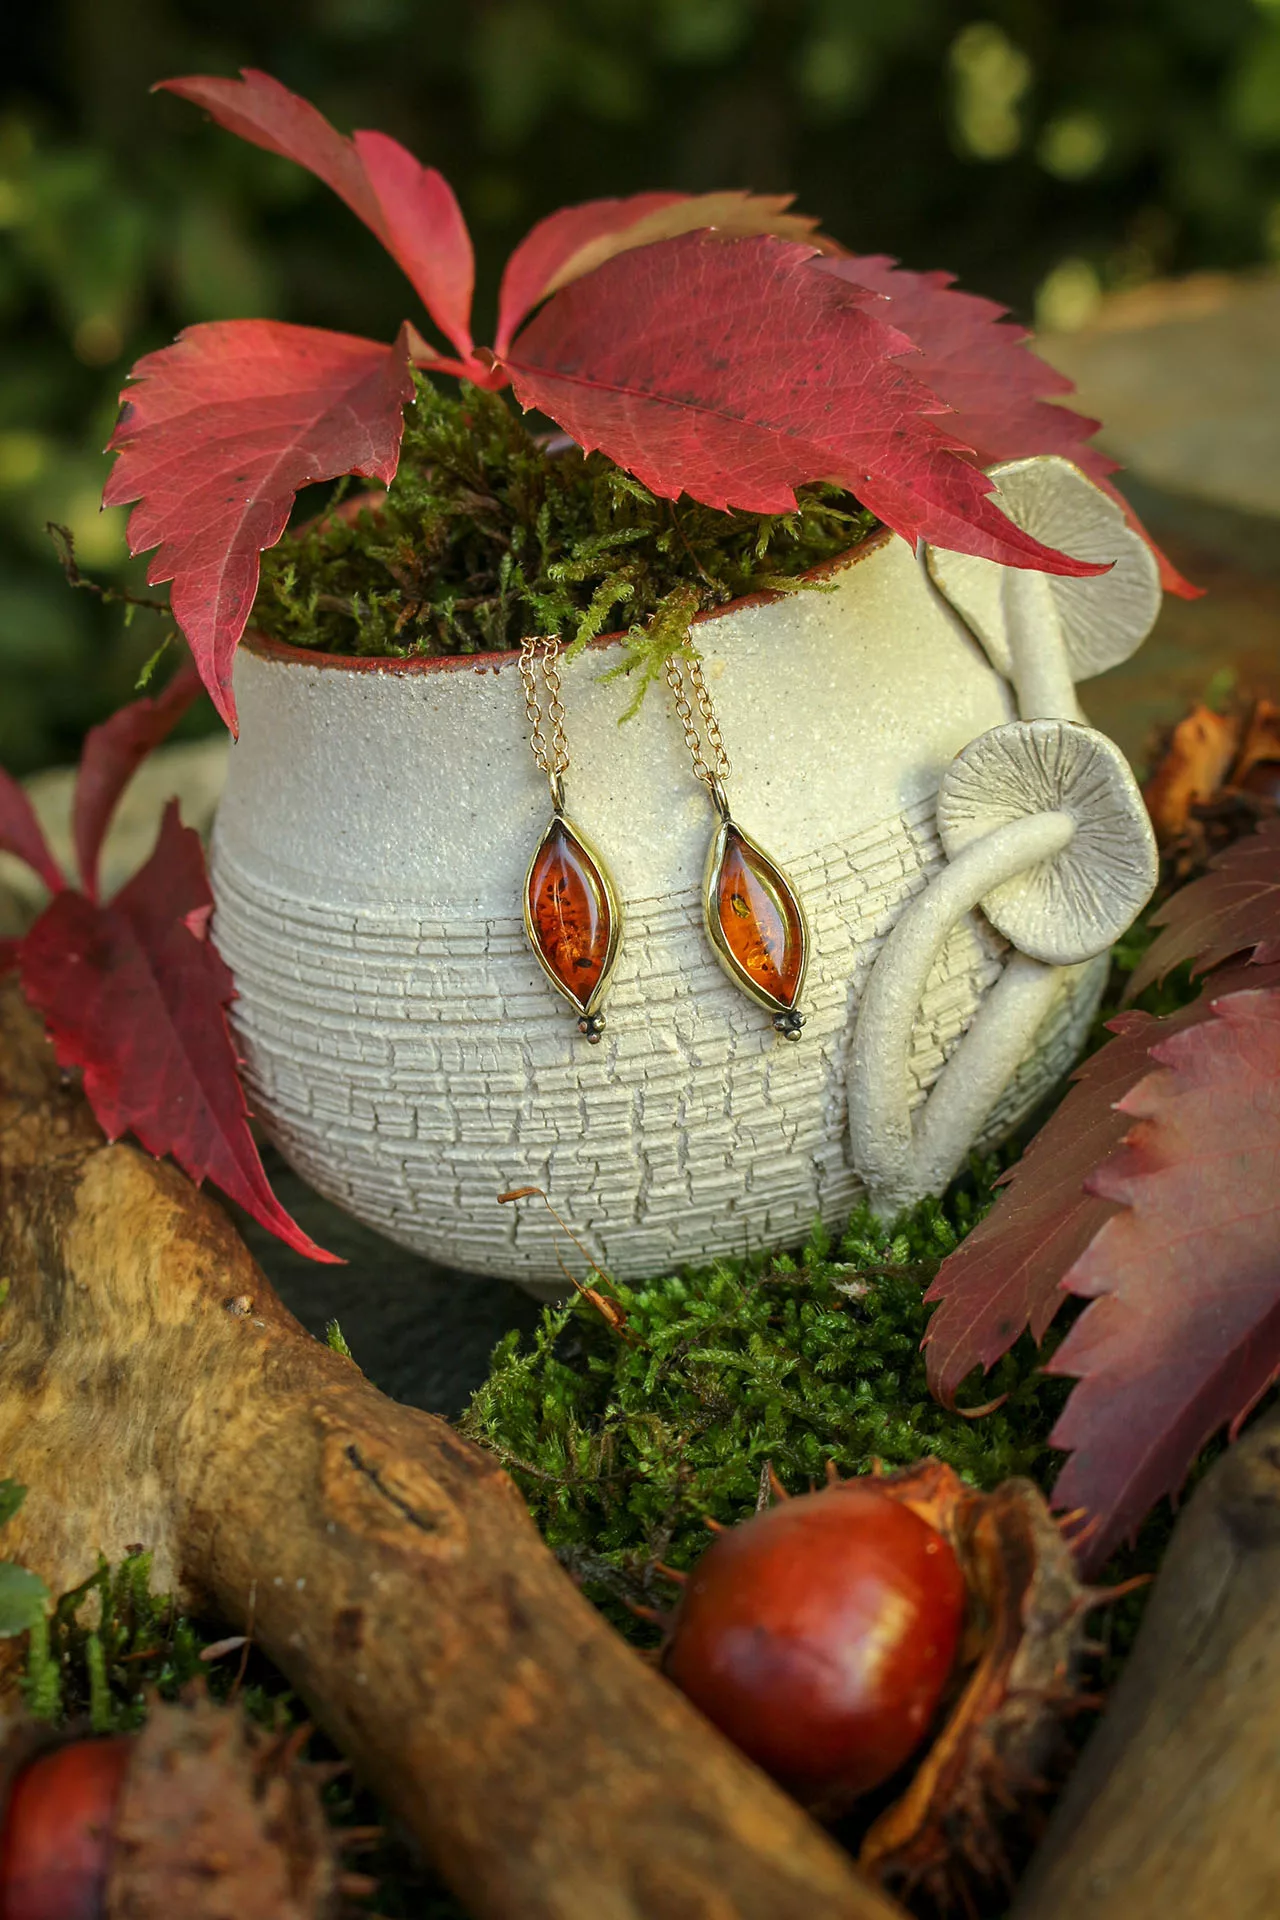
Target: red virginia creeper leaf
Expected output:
[216,436]
[527,276]
[732,370]
[22,835]
[1231,908]
[410,208]
[578,239]
[1007,1275]
[426,233]
[979,362]
[109,758]
[1183,1336]
[135,994]
[262,111]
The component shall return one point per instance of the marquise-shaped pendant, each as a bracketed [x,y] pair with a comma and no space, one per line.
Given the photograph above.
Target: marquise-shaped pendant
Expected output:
[756,924]
[572,918]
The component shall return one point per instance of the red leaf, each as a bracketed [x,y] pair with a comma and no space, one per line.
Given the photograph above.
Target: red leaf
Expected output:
[1007,1275]
[137,999]
[1231,908]
[578,239]
[109,758]
[21,833]
[425,233]
[979,363]
[530,269]
[410,208]
[215,439]
[1183,1336]
[732,370]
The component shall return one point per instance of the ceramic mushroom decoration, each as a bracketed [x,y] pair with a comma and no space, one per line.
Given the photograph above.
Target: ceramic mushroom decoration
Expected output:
[1042,823]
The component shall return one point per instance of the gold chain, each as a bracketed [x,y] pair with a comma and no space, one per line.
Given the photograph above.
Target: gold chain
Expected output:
[710,743]
[553,758]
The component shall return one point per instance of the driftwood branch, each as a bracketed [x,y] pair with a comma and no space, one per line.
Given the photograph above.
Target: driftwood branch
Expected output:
[155,1391]
[1173,1812]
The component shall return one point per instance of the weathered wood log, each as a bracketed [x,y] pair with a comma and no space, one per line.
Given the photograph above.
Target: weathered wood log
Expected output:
[1173,1811]
[155,1391]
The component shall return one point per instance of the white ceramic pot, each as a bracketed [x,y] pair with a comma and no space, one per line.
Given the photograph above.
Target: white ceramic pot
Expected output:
[403,1047]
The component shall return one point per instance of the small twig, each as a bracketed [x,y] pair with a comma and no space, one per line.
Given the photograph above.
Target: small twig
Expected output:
[65,546]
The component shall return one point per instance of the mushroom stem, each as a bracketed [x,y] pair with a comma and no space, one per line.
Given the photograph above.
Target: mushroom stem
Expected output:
[1041,664]
[880,1123]
[980,1069]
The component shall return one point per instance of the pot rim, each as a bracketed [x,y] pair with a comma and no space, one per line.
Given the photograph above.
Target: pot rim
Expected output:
[289,655]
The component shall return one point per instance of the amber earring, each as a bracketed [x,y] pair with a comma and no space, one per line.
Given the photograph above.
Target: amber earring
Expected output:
[753,914]
[571,911]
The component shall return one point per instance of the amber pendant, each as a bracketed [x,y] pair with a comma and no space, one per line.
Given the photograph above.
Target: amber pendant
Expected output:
[572,919]
[756,924]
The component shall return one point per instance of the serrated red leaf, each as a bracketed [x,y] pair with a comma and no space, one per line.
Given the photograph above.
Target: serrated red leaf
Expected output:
[216,436]
[1183,1334]
[135,995]
[111,755]
[734,371]
[1006,1276]
[1233,908]
[410,208]
[576,240]
[982,365]
[22,835]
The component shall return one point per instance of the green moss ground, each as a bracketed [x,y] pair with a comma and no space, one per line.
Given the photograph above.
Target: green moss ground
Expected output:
[485,538]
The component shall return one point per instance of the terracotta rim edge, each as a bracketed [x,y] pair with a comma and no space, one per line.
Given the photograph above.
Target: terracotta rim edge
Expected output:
[283,651]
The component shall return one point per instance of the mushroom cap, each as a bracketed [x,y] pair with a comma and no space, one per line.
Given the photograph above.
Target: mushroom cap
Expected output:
[1104,618]
[1078,904]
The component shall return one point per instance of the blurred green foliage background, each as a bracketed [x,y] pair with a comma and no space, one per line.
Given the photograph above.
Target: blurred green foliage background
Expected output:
[1045,150]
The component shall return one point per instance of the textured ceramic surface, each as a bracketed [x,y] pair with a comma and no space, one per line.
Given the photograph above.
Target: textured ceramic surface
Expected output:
[401,1043]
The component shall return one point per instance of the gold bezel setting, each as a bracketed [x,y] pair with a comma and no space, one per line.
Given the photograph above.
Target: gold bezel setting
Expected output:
[591,1021]
[787,1017]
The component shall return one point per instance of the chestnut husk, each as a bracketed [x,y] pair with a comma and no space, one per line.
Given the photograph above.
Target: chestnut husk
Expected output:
[1001,1740]
[217,1819]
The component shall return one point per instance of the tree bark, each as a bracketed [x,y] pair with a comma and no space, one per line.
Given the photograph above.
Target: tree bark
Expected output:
[156,1392]
[1173,1811]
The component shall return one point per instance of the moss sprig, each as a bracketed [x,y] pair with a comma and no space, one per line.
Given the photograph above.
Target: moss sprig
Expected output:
[486,537]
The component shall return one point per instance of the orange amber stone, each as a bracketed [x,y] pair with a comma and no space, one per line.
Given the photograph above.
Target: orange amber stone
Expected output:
[569,912]
[760,919]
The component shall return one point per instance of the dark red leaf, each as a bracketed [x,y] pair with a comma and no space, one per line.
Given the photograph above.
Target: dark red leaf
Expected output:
[215,438]
[109,758]
[409,207]
[135,994]
[1183,1336]
[734,371]
[21,833]
[1232,908]
[1007,1275]
[978,361]
[578,239]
